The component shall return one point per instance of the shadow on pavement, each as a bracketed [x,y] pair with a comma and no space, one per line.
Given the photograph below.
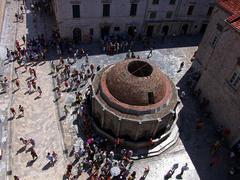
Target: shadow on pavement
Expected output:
[47,166]
[22,149]
[199,140]
[30,163]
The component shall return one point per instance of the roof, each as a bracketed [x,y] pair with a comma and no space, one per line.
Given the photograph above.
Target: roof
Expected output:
[232,7]
[131,81]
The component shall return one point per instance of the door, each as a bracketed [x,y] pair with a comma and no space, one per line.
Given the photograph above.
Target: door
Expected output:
[150,31]
[184,29]
[131,31]
[105,31]
[77,35]
[165,30]
[203,28]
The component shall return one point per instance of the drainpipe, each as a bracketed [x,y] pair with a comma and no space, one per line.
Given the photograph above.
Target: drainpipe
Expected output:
[145,15]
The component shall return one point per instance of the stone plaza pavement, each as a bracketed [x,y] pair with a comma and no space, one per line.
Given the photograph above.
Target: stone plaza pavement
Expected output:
[193,146]
[40,121]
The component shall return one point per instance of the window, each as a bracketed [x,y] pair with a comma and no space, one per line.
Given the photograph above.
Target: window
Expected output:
[76,11]
[235,79]
[190,10]
[155,2]
[150,98]
[169,14]
[219,27]
[133,10]
[91,31]
[172,2]
[116,28]
[106,10]
[210,10]
[152,14]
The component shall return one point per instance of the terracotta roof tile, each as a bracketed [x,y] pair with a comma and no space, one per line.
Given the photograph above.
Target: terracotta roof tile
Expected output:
[233,7]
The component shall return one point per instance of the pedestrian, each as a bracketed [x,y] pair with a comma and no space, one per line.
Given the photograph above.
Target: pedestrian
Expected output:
[17,83]
[39,91]
[21,8]
[146,171]
[33,154]
[66,85]
[86,59]
[24,141]
[181,66]
[13,112]
[32,142]
[16,177]
[184,168]
[150,53]
[55,156]
[29,87]
[50,158]
[16,16]
[8,54]
[66,110]
[16,72]
[34,73]
[17,43]
[24,39]
[21,111]
[30,72]
[59,93]
[34,85]
[53,68]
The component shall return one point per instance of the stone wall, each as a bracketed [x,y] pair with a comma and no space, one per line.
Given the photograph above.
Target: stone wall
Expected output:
[91,16]
[218,62]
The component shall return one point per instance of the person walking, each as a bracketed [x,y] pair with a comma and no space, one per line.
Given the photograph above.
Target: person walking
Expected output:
[34,73]
[16,177]
[50,158]
[150,53]
[55,156]
[21,111]
[29,87]
[33,154]
[16,73]
[24,39]
[184,168]
[24,141]
[13,112]
[32,142]
[17,84]
[66,110]
[39,91]
[34,85]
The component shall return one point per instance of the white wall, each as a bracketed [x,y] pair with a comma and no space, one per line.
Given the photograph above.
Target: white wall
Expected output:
[91,16]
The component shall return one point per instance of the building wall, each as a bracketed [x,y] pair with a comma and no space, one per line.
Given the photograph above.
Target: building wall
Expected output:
[217,62]
[179,16]
[91,16]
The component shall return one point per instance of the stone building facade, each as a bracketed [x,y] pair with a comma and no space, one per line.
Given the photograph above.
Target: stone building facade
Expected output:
[93,19]
[219,61]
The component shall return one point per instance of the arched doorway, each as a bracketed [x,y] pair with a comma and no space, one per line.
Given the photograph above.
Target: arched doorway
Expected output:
[165,30]
[77,35]
[150,30]
[203,28]
[105,31]
[184,29]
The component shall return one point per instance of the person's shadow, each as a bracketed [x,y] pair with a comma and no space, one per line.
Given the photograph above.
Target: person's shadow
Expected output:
[30,163]
[47,166]
[22,149]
